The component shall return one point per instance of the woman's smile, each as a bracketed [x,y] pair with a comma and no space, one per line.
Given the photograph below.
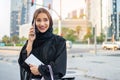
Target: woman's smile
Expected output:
[42,22]
[42,27]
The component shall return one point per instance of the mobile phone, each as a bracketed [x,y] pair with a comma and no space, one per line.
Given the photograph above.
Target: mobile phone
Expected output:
[33,24]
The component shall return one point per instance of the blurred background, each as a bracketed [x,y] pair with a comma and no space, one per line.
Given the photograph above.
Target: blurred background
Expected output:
[91,29]
[78,21]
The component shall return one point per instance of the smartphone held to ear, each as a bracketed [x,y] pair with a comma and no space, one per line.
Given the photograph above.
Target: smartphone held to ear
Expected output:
[33,25]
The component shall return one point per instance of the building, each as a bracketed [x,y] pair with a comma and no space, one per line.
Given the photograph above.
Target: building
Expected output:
[95,14]
[24,30]
[100,13]
[73,23]
[19,15]
[114,19]
[15,17]
[15,22]
[118,18]
[25,11]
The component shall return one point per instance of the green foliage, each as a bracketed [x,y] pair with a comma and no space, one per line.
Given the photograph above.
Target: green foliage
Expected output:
[9,44]
[101,38]
[15,39]
[68,34]
[19,44]
[78,29]
[5,39]
[88,34]
[55,31]
[23,40]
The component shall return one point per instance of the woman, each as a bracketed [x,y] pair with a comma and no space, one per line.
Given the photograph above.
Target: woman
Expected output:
[47,47]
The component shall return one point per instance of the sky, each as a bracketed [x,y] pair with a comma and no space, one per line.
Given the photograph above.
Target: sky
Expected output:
[67,6]
[4,18]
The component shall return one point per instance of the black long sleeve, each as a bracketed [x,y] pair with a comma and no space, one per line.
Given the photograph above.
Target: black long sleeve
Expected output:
[22,57]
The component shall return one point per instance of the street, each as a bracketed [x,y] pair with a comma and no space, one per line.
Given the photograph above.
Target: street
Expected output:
[9,71]
[82,63]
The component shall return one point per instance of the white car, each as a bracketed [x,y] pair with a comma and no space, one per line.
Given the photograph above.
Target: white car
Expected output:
[68,44]
[110,45]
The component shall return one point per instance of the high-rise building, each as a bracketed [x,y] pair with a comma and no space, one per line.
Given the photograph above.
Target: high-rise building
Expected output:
[99,13]
[15,17]
[24,11]
[118,18]
[87,8]
[114,19]
[95,15]
[106,18]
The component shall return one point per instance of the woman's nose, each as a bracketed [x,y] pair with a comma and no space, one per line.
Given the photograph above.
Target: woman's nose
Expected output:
[42,23]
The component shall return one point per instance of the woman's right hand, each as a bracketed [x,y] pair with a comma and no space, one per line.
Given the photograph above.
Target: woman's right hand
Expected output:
[31,39]
[32,35]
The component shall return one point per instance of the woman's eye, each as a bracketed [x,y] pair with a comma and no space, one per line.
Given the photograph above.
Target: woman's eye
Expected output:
[38,20]
[45,19]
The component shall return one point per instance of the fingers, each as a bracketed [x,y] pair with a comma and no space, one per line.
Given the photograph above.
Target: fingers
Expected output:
[31,65]
[34,69]
[31,31]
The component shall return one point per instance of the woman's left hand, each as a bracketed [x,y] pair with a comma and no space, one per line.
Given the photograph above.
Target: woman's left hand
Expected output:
[34,69]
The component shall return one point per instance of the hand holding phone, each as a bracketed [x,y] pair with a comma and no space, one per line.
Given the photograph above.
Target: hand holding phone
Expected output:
[32,35]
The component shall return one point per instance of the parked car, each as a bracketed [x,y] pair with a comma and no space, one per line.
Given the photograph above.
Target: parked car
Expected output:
[110,45]
[68,44]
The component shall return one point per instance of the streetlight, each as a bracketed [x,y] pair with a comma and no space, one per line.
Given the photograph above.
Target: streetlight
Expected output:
[95,42]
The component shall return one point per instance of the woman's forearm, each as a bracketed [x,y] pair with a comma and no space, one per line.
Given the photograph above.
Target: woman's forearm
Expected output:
[29,47]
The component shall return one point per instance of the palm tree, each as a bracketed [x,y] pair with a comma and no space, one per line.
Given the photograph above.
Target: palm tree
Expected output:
[5,39]
[78,29]
[88,33]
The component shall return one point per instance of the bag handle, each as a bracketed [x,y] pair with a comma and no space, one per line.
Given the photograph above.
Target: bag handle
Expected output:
[51,72]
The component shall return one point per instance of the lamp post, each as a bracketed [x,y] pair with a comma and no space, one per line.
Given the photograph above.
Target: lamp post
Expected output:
[59,22]
[95,42]
[59,16]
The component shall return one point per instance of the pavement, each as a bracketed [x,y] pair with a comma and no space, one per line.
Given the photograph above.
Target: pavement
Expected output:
[81,66]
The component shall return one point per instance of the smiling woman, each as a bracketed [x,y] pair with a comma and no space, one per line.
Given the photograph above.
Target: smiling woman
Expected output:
[47,47]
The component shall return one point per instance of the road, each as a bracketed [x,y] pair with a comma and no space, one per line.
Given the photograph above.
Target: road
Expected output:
[82,63]
[9,71]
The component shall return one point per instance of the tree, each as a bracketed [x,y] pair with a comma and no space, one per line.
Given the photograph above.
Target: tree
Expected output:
[5,39]
[78,29]
[22,40]
[82,16]
[71,35]
[68,34]
[15,39]
[101,38]
[88,34]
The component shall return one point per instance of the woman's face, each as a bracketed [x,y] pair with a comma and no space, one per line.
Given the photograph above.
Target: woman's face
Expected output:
[42,22]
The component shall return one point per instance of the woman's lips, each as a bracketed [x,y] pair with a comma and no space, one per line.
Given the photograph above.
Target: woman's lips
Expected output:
[41,27]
